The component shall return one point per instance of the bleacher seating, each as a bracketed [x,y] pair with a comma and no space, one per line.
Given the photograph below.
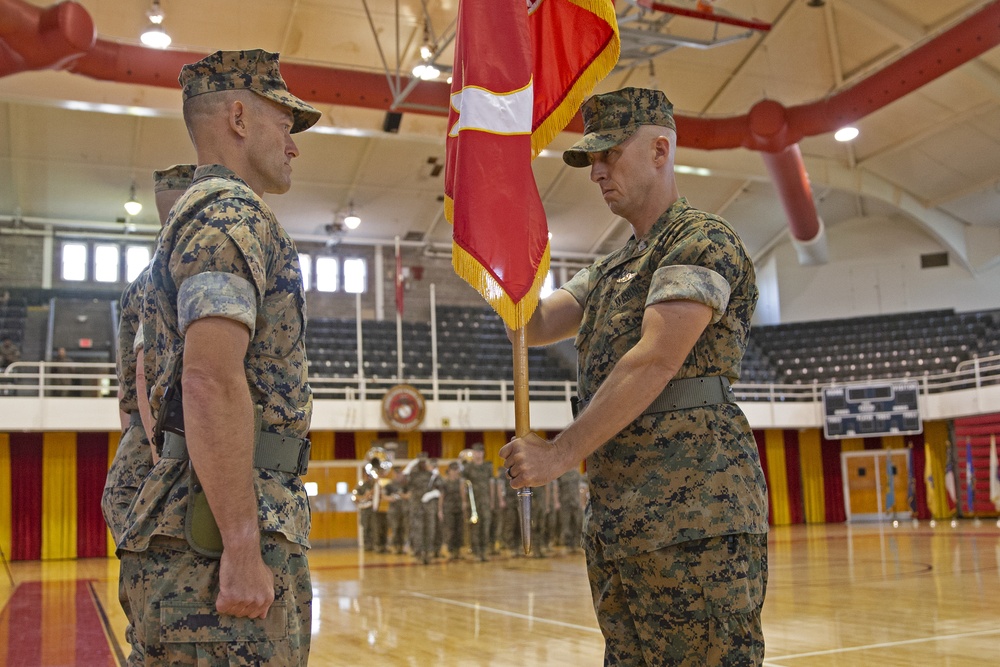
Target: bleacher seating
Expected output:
[13,314]
[472,344]
[904,345]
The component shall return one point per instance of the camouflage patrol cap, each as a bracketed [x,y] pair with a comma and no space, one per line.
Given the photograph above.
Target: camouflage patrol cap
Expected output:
[255,70]
[611,118]
[177,177]
[478,447]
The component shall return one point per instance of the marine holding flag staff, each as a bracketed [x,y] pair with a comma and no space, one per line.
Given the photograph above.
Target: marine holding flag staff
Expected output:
[213,560]
[676,529]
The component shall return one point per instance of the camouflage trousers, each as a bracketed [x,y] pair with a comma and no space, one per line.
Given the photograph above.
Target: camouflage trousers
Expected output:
[172,590]
[695,603]
[133,460]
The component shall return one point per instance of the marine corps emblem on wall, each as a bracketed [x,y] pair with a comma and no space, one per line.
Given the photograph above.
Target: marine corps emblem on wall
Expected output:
[403,407]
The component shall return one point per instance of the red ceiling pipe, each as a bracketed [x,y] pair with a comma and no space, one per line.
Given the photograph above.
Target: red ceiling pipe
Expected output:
[110,61]
[792,183]
[120,62]
[34,38]
[706,15]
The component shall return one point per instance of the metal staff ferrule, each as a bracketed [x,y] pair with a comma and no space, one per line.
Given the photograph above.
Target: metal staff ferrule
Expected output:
[524,510]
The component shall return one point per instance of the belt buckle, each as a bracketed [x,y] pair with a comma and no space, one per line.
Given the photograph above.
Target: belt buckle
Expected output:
[302,465]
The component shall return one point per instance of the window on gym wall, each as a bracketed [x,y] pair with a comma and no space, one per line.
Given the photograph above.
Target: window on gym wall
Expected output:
[305,264]
[355,275]
[136,259]
[106,263]
[327,274]
[74,261]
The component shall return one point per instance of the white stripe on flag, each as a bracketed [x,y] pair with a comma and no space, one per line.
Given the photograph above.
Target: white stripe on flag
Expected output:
[496,113]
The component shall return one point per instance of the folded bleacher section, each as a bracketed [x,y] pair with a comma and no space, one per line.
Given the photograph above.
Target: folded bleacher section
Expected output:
[904,345]
[472,345]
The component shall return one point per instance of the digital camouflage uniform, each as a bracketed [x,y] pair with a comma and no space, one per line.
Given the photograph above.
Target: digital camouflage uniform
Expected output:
[570,512]
[397,513]
[675,530]
[222,253]
[423,516]
[511,535]
[454,514]
[133,458]
[481,476]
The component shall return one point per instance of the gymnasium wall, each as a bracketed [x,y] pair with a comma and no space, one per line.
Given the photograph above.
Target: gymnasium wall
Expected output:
[51,483]
[874,269]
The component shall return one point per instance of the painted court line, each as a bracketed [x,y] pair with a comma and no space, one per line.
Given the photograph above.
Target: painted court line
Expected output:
[776,660]
[504,612]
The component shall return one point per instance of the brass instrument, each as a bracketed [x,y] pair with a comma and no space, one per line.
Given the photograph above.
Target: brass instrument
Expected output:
[378,462]
[474,515]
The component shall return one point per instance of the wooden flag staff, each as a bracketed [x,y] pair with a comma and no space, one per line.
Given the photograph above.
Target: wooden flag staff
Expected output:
[522,426]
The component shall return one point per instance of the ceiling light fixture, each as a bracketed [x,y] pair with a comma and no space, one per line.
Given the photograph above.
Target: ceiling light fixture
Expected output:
[351,220]
[846,134]
[425,69]
[155,36]
[132,206]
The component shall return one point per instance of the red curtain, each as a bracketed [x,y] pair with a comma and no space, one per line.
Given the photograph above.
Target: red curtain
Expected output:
[919,460]
[26,495]
[758,436]
[343,445]
[430,442]
[793,474]
[472,437]
[91,473]
[833,481]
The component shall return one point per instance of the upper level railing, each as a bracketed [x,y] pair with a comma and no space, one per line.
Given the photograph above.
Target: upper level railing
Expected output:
[45,379]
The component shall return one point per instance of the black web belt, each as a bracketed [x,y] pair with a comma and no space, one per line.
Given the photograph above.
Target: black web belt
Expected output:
[681,395]
[272,451]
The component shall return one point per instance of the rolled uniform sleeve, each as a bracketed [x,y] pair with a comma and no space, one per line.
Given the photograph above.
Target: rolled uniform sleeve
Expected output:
[579,286]
[216,294]
[690,283]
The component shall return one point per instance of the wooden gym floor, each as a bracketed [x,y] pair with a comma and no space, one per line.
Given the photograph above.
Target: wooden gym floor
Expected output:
[838,595]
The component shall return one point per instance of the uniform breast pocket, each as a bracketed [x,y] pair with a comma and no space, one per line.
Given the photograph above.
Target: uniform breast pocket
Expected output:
[624,324]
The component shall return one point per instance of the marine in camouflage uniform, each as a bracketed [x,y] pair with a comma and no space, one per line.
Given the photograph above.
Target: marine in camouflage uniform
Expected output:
[225,278]
[675,530]
[454,510]
[133,458]
[423,515]
[480,473]
[511,533]
[395,492]
[569,509]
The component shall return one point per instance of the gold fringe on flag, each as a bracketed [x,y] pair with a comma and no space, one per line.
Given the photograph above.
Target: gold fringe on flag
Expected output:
[584,84]
[514,315]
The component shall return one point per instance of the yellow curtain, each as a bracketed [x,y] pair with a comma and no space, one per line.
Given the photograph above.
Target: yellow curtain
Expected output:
[811,461]
[452,442]
[58,495]
[113,439]
[893,442]
[414,444]
[936,452]
[6,517]
[852,445]
[363,442]
[774,443]
[322,447]
[493,441]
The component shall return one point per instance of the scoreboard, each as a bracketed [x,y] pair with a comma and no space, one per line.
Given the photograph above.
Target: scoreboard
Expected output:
[870,410]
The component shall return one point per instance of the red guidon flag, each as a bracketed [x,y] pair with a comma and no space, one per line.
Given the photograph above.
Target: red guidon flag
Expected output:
[522,69]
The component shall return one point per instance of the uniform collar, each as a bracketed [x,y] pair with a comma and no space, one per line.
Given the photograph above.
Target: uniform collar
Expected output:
[639,247]
[217,171]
